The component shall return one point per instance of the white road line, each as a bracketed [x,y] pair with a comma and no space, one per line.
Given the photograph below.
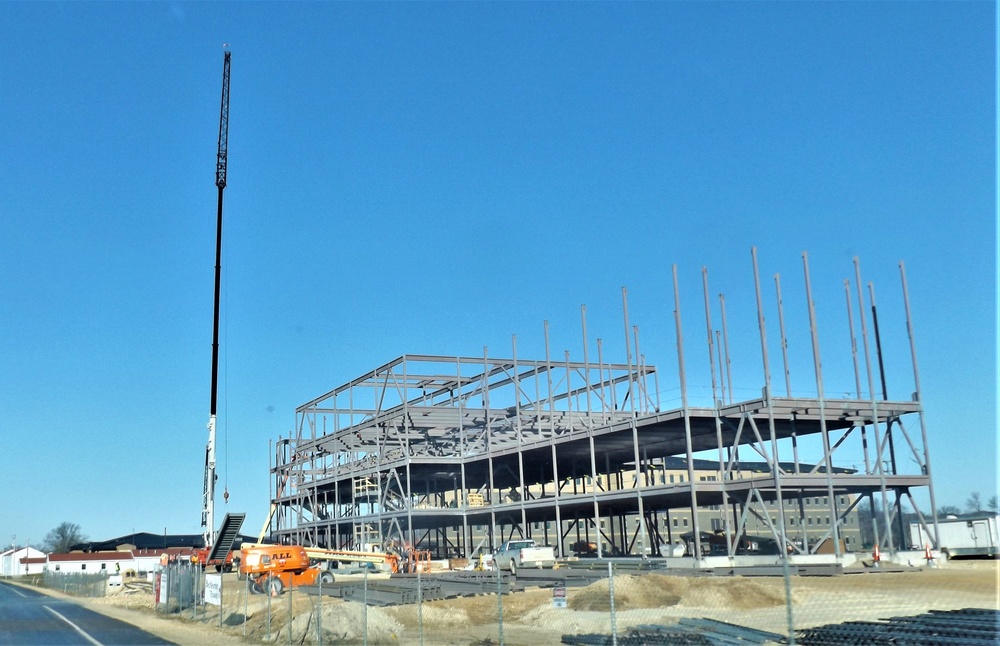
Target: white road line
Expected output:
[14,589]
[75,627]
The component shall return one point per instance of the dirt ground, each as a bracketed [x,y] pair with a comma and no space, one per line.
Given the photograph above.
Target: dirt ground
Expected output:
[529,617]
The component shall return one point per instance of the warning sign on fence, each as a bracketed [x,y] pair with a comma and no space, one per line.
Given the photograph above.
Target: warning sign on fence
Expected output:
[213,589]
[558,597]
[162,586]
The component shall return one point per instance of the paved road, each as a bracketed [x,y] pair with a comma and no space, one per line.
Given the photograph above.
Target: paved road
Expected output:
[29,617]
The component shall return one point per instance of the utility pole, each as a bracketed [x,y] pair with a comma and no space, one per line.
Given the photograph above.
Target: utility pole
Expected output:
[208,498]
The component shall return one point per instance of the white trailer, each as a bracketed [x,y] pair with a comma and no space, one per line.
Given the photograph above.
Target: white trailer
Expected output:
[970,535]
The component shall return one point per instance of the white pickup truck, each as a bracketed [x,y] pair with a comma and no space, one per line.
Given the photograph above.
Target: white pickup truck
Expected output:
[514,555]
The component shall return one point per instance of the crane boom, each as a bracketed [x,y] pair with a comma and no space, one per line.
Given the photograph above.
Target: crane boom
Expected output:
[208,497]
[220,165]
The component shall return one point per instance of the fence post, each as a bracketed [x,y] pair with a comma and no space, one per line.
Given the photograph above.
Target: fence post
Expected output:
[364,611]
[222,594]
[268,593]
[611,593]
[319,615]
[788,599]
[291,590]
[194,581]
[246,601]
[420,606]
[499,606]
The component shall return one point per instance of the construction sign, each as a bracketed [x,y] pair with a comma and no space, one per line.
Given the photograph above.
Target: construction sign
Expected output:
[213,589]
[559,597]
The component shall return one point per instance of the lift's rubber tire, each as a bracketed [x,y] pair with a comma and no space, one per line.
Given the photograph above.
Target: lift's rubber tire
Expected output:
[326,578]
[254,587]
[273,586]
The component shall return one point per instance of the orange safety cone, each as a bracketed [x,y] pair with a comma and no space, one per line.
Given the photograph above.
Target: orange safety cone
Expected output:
[927,552]
[876,556]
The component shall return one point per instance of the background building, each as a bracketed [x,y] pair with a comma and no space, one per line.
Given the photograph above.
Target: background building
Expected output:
[20,561]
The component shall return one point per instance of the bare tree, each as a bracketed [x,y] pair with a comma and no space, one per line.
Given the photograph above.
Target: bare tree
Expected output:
[63,537]
[974,504]
[949,510]
[992,504]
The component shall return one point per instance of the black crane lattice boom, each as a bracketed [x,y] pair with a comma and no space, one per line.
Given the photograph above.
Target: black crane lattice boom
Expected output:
[208,498]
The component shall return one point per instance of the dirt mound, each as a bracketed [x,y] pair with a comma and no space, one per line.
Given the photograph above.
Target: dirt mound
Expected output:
[129,596]
[432,613]
[343,622]
[631,591]
[736,593]
[477,610]
[660,591]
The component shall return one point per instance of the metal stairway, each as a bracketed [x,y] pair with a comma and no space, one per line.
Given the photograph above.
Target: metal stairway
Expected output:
[228,534]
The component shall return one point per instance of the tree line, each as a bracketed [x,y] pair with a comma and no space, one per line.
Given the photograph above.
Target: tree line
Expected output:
[60,539]
[871,519]
[974,504]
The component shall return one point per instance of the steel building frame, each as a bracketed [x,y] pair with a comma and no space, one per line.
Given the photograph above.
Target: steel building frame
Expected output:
[423,449]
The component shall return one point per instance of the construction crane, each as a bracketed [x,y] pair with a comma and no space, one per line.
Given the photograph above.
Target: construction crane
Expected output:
[208,497]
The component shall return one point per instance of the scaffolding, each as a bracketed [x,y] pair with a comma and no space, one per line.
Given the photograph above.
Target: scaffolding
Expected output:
[457,454]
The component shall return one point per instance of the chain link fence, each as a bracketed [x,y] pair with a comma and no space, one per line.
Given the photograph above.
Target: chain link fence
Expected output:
[603,603]
[77,583]
[597,602]
[178,587]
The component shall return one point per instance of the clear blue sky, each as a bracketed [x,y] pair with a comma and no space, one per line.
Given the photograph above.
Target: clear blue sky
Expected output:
[433,178]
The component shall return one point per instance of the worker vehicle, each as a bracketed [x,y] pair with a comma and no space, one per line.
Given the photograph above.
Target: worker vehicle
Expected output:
[415,561]
[584,549]
[221,565]
[270,569]
[514,555]
[969,535]
[716,544]
[482,563]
